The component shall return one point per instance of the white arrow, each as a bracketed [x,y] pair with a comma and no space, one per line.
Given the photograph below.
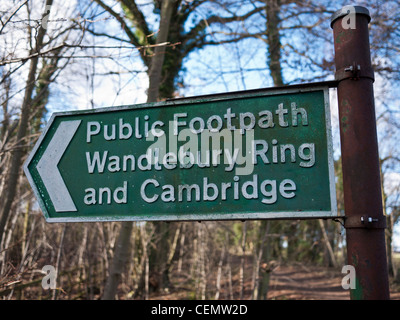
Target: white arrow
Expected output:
[48,166]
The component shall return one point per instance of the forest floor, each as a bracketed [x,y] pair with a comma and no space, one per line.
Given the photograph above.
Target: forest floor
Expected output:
[289,281]
[300,282]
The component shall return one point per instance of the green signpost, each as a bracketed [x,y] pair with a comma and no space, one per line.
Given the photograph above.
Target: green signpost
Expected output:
[248,155]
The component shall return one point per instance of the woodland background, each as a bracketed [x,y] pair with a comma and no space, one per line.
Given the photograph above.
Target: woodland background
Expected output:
[69,55]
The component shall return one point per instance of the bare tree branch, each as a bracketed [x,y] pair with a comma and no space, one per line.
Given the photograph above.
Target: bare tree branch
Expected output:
[10,17]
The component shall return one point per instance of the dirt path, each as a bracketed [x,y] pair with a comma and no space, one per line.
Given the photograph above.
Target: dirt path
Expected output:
[299,282]
[288,282]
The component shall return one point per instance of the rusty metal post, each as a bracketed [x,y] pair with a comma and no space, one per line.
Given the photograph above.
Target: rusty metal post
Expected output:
[364,220]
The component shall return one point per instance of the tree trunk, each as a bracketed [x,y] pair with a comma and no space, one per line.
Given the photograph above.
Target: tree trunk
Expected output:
[242,260]
[389,226]
[159,264]
[159,51]
[261,276]
[327,244]
[121,255]
[228,268]
[219,273]
[261,251]
[181,247]
[58,261]
[273,39]
[123,248]
[18,152]
[263,267]
[159,256]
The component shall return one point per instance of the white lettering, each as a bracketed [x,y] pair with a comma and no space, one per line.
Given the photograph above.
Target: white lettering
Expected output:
[92,132]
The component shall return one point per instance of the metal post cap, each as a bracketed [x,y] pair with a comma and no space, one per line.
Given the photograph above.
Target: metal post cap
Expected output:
[350,9]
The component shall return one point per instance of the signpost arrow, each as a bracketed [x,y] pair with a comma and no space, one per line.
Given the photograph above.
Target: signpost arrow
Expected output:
[48,170]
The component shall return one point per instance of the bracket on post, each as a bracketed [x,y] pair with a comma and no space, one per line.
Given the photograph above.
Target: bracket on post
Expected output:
[365,221]
[354,72]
